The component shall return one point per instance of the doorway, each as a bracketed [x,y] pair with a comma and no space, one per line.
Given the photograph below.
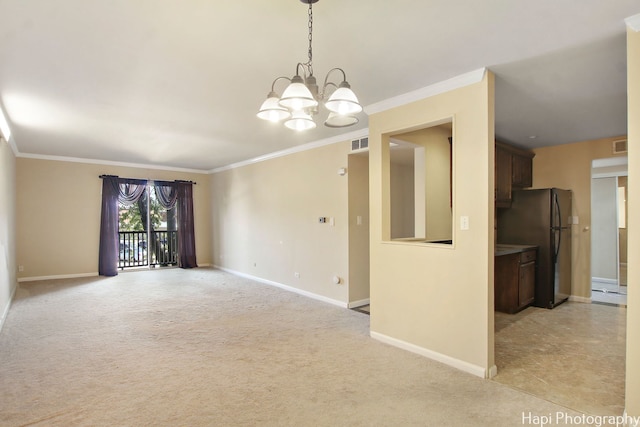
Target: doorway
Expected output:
[147,232]
[609,231]
[358,167]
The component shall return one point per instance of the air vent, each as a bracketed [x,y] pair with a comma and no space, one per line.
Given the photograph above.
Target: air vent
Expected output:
[360,144]
[620,146]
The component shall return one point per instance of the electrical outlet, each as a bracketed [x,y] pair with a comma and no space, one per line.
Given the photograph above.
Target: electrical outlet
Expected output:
[297,275]
[20,268]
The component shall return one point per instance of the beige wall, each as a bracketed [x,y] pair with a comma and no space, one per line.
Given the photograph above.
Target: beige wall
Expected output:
[58,208]
[358,174]
[568,166]
[265,220]
[403,201]
[633,272]
[434,300]
[7,228]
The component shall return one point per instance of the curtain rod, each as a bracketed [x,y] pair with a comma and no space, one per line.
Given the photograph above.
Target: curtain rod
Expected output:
[153,180]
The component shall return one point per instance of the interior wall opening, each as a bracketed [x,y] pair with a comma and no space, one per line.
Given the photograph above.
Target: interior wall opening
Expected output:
[420,174]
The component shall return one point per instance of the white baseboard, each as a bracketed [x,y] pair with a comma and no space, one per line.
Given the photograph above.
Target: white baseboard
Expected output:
[359,303]
[467,367]
[575,298]
[604,280]
[60,276]
[5,312]
[285,287]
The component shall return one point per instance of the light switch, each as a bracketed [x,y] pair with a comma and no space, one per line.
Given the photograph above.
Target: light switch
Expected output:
[359,220]
[464,223]
[574,219]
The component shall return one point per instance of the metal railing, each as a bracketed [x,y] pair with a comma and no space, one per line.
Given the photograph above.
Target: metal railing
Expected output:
[134,251]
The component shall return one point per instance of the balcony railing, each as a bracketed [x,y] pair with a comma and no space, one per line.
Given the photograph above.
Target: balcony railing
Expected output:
[135,251]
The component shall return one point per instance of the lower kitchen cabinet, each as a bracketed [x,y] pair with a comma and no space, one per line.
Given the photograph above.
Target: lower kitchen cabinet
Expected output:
[515,278]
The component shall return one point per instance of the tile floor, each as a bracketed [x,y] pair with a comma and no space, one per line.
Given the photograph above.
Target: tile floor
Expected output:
[573,355]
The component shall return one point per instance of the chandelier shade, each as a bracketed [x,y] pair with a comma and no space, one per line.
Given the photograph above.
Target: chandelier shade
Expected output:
[301,98]
[336,120]
[271,109]
[343,101]
[297,95]
[300,121]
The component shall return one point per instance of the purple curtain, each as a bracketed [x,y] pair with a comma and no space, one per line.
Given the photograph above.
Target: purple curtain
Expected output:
[130,192]
[108,254]
[114,189]
[167,194]
[186,233]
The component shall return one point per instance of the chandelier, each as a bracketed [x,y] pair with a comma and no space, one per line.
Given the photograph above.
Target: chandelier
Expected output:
[301,99]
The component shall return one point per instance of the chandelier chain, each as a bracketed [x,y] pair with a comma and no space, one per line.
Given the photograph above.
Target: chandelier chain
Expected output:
[310,53]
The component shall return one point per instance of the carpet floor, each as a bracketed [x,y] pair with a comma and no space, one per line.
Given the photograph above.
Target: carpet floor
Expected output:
[205,348]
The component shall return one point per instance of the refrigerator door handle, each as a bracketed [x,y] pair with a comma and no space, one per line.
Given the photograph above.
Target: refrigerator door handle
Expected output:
[557,228]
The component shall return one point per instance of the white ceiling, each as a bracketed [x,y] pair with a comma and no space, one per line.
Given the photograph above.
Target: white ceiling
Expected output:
[177,84]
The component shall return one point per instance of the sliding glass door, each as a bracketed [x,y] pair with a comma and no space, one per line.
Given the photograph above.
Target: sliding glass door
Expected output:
[147,233]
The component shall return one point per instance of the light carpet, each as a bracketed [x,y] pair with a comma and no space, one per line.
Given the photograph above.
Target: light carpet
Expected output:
[205,348]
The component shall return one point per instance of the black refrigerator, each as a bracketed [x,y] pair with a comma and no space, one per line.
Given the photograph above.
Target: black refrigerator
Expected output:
[542,217]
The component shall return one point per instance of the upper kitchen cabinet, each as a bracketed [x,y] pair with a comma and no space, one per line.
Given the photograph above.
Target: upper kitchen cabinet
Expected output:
[514,169]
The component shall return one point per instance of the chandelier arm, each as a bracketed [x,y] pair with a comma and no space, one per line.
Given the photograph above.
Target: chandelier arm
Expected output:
[327,82]
[305,67]
[273,85]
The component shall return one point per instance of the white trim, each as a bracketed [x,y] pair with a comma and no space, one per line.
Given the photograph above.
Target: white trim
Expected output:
[208,264]
[604,280]
[5,313]
[426,92]
[108,163]
[575,298]
[467,367]
[309,146]
[55,277]
[633,22]
[359,303]
[610,161]
[283,286]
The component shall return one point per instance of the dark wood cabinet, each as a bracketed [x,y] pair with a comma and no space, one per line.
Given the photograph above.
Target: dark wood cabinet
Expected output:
[503,177]
[514,283]
[521,170]
[513,169]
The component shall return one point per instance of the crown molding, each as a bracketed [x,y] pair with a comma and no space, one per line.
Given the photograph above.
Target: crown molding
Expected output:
[11,144]
[109,163]
[309,146]
[633,22]
[437,88]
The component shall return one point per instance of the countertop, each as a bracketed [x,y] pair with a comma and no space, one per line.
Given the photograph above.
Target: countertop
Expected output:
[506,249]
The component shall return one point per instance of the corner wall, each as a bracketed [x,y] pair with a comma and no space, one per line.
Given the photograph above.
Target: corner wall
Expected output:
[58,208]
[632,402]
[438,301]
[265,221]
[7,228]
[568,166]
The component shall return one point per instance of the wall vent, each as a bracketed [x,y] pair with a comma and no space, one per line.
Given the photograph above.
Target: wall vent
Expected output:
[620,146]
[360,144]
